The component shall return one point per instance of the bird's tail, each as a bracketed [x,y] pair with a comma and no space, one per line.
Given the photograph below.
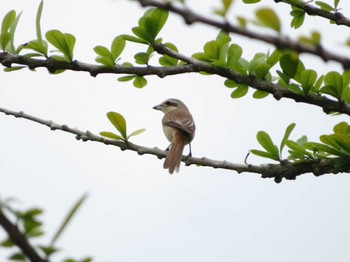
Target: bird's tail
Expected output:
[173,158]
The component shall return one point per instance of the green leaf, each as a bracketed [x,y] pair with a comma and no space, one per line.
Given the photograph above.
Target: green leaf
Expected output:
[262,154]
[289,63]
[18,257]
[63,42]
[13,68]
[111,135]
[37,21]
[134,39]
[150,24]
[240,91]
[308,78]
[260,94]
[341,128]
[226,4]
[37,46]
[7,22]
[105,56]
[68,218]
[5,39]
[318,84]
[234,53]
[7,243]
[107,61]
[333,84]
[136,132]
[230,83]
[297,151]
[139,81]
[298,17]
[103,51]
[142,58]
[117,47]
[13,27]
[324,6]
[166,60]
[266,142]
[336,2]
[251,1]
[212,50]
[119,123]
[48,250]
[287,133]
[274,58]
[323,149]
[126,78]
[268,18]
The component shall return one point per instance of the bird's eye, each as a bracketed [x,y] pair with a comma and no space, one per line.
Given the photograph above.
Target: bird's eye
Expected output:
[169,103]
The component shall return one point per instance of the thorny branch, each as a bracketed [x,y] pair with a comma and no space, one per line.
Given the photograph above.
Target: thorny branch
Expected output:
[285,169]
[191,17]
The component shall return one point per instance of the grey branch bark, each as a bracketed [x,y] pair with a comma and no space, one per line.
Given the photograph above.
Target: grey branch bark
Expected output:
[191,17]
[193,66]
[19,239]
[279,171]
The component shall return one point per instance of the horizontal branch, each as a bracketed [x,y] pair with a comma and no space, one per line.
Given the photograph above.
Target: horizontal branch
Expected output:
[52,65]
[193,66]
[285,169]
[337,17]
[19,239]
[191,17]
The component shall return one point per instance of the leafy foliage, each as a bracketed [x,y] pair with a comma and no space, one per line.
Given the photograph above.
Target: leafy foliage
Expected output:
[149,26]
[64,42]
[118,121]
[108,57]
[29,224]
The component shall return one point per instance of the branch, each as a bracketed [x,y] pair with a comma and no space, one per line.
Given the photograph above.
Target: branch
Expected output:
[52,65]
[285,169]
[191,17]
[193,66]
[19,239]
[337,17]
[277,91]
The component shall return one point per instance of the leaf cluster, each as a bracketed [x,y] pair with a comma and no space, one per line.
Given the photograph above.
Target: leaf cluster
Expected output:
[29,224]
[119,122]
[335,147]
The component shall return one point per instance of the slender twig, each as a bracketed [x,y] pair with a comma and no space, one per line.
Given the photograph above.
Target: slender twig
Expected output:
[337,17]
[19,239]
[191,17]
[285,169]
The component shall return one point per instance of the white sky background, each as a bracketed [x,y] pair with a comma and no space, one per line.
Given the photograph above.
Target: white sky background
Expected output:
[135,210]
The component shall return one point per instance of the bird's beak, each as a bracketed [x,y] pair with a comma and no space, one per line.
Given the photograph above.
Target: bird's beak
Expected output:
[158,107]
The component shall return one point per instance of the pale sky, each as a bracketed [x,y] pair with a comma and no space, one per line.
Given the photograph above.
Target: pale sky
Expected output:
[136,211]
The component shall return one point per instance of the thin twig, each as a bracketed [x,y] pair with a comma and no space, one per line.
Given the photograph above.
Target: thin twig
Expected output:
[191,17]
[285,169]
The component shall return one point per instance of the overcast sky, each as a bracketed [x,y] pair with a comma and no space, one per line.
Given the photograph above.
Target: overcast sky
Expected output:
[135,210]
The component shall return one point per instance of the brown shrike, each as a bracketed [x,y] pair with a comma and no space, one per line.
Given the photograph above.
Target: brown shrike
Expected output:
[179,128]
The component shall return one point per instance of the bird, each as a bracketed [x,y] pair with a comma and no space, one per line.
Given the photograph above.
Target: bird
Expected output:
[179,128]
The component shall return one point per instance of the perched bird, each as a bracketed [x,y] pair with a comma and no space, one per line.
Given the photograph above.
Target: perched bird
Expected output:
[179,129]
